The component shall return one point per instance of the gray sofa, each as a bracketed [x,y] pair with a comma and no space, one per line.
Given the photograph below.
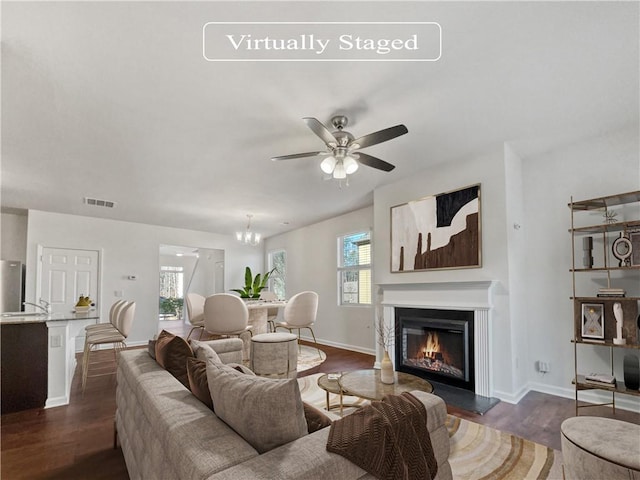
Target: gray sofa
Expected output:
[166,433]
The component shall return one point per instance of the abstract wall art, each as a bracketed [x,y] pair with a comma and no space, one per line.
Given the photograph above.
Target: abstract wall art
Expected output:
[437,232]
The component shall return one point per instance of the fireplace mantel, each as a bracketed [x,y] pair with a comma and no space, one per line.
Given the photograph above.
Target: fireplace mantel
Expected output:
[467,295]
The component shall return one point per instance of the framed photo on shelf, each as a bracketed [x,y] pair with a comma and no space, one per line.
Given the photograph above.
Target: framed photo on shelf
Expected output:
[634,237]
[593,320]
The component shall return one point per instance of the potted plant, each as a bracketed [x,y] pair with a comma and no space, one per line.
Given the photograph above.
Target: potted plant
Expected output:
[253,285]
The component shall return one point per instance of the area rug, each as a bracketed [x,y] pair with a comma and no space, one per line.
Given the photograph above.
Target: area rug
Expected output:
[308,357]
[478,452]
[481,452]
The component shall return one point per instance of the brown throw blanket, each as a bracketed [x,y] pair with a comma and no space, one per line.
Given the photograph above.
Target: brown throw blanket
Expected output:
[388,439]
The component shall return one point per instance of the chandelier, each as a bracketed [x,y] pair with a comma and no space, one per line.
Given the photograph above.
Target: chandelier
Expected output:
[248,237]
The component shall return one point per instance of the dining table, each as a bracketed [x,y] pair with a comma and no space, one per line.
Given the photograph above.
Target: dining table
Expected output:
[258,314]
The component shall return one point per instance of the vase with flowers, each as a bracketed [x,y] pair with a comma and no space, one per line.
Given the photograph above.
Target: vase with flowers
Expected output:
[385,340]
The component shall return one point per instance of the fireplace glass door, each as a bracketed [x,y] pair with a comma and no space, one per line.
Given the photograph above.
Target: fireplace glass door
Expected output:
[437,348]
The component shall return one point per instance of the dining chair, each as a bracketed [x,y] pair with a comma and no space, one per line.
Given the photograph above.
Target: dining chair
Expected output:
[195,312]
[226,314]
[93,340]
[272,313]
[300,312]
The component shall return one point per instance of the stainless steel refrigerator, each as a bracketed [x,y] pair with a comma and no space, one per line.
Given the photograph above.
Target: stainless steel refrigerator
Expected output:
[11,286]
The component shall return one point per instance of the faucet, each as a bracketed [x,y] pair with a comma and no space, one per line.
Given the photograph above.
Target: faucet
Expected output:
[43,305]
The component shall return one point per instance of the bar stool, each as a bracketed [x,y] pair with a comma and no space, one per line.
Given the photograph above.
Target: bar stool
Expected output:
[114,311]
[117,338]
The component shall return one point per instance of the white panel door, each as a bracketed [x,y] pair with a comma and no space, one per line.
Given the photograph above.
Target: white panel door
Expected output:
[67,274]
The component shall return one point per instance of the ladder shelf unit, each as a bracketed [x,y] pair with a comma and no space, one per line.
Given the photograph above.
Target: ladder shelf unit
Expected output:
[594,318]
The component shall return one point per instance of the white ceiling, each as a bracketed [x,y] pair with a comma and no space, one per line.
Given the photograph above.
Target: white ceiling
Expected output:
[114,100]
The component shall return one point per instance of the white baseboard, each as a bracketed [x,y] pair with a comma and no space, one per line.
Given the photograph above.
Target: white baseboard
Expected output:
[513,398]
[367,351]
[57,401]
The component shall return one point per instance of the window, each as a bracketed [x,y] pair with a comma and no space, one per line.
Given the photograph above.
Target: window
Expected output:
[354,269]
[171,288]
[171,281]
[278,260]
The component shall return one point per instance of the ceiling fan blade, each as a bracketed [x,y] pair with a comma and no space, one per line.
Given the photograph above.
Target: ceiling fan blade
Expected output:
[297,155]
[379,136]
[320,130]
[374,162]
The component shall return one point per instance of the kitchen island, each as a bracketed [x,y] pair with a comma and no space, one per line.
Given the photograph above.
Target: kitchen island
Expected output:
[39,357]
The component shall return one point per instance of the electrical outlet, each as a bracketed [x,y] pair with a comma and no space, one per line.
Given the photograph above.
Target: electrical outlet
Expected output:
[543,367]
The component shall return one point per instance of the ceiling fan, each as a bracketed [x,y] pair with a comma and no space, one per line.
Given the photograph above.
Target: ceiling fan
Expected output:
[342,155]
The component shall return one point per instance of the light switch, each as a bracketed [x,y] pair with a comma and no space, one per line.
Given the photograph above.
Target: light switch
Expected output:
[118,293]
[56,341]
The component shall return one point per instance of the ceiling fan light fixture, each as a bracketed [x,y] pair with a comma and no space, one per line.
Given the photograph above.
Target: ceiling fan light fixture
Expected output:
[328,165]
[341,157]
[350,165]
[339,172]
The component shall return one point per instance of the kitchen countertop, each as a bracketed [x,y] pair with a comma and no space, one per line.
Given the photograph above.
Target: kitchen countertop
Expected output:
[27,317]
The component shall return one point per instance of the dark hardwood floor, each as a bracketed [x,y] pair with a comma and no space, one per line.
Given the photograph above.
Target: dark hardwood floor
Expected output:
[76,441]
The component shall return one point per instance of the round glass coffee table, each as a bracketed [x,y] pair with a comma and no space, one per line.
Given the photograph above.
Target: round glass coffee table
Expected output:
[329,383]
[367,384]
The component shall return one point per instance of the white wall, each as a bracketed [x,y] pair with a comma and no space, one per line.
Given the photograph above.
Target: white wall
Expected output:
[487,169]
[204,274]
[13,238]
[129,249]
[597,167]
[312,256]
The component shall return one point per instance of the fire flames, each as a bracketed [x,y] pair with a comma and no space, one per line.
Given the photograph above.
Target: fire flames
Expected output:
[433,353]
[431,345]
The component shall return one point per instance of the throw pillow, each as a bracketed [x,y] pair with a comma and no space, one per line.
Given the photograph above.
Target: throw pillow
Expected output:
[241,368]
[151,348]
[266,412]
[316,420]
[172,352]
[197,374]
[203,351]
[198,384]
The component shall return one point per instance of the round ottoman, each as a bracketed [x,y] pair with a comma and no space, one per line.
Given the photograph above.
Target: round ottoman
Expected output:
[274,355]
[600,448]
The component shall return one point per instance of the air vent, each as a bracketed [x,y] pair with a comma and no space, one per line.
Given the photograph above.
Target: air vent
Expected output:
[99,203]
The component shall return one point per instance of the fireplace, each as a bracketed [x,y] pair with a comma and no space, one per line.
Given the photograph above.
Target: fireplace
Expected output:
[436,344]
